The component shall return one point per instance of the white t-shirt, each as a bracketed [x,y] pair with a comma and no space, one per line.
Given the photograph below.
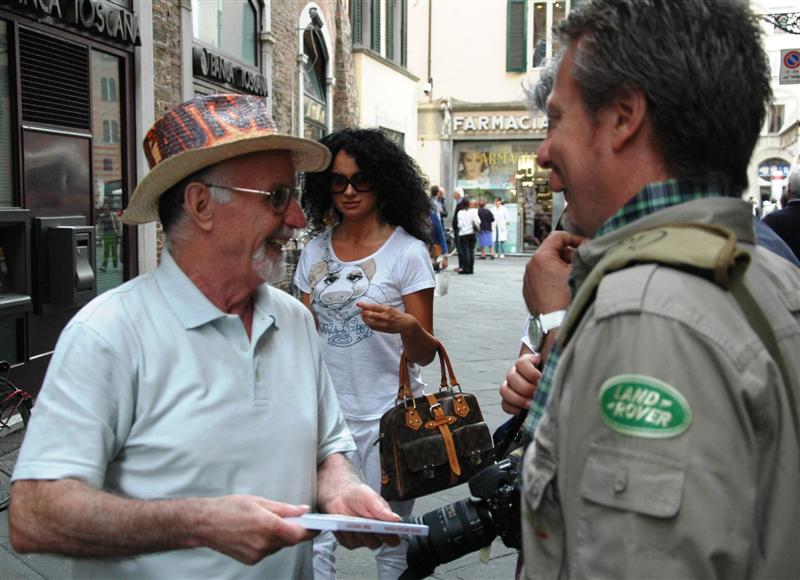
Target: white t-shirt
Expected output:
[467,221]
[363,363]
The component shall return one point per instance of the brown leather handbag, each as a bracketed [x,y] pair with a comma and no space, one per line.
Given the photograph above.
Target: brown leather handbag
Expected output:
[431,442]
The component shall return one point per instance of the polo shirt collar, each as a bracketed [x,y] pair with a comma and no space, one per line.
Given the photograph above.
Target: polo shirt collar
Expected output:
[190,305]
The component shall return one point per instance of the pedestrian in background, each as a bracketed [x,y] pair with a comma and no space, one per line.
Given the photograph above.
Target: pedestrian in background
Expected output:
[368,280]
[458,196]
[468,225]
[500,227]
[786,222]
[438,197]
[486,217]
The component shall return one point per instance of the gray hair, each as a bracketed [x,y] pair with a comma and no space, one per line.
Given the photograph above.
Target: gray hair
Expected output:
[537,94]
[793,184]
[706,115]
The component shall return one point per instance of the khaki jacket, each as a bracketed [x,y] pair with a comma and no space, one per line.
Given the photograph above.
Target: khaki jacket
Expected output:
[668,449]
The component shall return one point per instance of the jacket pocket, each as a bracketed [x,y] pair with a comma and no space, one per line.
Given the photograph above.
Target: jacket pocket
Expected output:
[629,500]
[542,519]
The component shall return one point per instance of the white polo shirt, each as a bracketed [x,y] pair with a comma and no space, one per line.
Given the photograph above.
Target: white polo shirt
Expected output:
[153,392]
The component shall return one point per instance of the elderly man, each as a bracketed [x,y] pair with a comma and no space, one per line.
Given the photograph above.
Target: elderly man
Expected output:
[786,222]
[186,413]
[669,443]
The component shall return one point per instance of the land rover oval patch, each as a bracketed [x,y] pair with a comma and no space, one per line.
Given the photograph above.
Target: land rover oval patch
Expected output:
[643,406]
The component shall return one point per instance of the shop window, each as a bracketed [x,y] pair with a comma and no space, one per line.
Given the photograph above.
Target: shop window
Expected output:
[6,132]
[107,162]
[516,36]
[108,89]
[546,15]
[775,120]
[508,170]
[230,26]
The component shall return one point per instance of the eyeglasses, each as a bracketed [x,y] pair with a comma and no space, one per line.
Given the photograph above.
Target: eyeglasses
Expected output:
[360,182]
[279,198]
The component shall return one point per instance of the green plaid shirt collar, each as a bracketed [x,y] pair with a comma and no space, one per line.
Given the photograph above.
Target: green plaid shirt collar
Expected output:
[655,197]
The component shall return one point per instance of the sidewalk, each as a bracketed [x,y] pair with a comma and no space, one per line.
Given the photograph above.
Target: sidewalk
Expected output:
[479,321]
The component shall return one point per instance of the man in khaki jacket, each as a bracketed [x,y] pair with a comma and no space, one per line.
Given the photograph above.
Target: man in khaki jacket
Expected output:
[665,424]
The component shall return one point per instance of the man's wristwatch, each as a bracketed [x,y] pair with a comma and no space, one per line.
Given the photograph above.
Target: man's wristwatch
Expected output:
[541,324]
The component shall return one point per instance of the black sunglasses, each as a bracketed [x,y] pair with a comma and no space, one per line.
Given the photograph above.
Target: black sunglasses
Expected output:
[360,182]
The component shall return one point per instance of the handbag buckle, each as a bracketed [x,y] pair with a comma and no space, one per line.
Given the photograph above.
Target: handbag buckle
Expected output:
[433,407]
[413,403]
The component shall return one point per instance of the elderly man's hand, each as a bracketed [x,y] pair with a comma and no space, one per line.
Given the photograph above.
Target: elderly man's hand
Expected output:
[520,384]
[248,528]
[360,500]
[545,286]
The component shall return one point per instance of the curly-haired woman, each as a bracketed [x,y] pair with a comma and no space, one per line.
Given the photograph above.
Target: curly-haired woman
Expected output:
[368,280]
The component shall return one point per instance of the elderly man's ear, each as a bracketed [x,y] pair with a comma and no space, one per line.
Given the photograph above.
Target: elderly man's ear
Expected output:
[199,206]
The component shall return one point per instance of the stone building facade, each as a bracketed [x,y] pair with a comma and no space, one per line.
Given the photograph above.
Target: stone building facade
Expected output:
[287,19]
[167,54]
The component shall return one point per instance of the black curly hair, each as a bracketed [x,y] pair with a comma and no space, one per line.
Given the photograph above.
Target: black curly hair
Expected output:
[399,185]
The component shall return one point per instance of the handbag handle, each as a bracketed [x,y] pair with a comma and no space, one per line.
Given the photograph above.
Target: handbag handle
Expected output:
[404,391]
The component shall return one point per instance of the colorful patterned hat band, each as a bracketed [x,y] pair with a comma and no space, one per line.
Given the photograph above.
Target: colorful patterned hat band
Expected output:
[207,121]
[206,131]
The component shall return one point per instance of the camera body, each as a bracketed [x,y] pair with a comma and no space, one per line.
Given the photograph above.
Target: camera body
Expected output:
[470,524]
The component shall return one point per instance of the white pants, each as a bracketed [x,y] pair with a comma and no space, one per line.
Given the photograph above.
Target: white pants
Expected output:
[391,560]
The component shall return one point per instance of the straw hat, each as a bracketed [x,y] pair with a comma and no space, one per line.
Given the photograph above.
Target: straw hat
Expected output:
[205,131]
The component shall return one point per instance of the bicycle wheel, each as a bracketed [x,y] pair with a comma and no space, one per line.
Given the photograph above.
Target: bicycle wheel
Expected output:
[14,416]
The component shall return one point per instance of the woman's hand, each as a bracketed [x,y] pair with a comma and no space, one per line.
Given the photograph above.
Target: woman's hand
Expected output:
[385,318]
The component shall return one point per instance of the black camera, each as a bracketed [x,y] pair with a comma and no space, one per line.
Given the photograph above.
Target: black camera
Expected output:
[469,524]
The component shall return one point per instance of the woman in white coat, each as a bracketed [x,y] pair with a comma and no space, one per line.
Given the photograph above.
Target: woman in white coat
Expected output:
[500,227]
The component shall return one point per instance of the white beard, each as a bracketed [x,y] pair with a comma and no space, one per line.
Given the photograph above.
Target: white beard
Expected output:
[271,270]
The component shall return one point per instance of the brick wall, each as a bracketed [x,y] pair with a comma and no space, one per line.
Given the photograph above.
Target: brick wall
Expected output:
[166,67]
[167,53]
[345,99]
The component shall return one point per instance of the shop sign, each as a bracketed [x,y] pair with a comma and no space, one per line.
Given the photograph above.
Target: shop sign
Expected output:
[773,169]
[498,123]
[96,16]
[219,69]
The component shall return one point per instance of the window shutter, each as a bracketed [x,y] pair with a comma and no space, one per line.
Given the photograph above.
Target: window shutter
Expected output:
[357,22]
[390,4]
[403,29]
[516,36]
[376,26]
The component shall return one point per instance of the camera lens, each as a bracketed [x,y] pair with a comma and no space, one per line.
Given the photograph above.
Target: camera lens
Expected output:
[454,530]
